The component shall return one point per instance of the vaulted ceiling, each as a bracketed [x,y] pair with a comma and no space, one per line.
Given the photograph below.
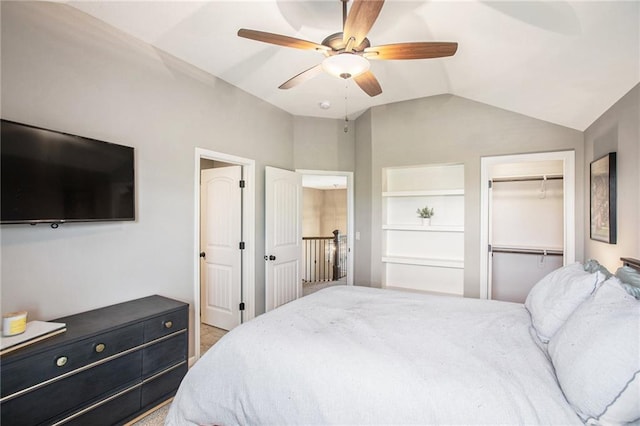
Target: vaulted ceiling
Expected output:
[565,62]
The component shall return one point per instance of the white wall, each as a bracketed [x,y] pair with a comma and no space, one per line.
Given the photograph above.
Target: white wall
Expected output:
[537,204]
[66,71]
[617,130]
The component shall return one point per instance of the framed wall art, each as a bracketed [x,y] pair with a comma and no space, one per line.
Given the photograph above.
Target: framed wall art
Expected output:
[603,198]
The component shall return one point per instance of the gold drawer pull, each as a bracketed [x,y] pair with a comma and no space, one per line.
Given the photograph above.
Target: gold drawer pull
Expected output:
[100,347]
[61,361]
[168,324]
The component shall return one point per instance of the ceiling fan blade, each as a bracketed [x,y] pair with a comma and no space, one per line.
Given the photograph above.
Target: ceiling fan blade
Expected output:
[280,40]
[362,15]
[369,83]
[414,50]
[302,77]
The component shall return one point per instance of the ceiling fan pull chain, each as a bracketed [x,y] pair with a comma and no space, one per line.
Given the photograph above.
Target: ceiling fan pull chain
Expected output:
[346,109]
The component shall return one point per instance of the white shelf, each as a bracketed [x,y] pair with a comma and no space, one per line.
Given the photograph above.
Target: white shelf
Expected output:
[429,193]
[421,261]
[420,257]
[424,228]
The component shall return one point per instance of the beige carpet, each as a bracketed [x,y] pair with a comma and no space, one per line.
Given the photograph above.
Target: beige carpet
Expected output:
[309,288]
[155,418]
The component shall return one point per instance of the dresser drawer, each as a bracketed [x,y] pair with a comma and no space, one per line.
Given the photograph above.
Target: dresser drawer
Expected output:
[162,386]
[166,324]
[114,411]
[163,354]
[27,372]
[65,395]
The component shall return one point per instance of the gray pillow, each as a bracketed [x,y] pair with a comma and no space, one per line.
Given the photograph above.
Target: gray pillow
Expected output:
[593,265]
[633,291]
[628,275]
[630,279]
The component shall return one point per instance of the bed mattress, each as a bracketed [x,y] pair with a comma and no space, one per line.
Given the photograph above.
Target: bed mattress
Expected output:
[356,355]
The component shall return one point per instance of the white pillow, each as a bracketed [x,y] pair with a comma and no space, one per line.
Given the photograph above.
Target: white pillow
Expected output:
[557,295]
[596,355]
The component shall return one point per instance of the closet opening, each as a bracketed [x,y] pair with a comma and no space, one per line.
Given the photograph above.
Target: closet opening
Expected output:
[528,221]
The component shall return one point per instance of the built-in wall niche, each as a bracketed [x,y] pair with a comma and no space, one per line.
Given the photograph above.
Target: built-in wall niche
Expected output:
[418,256]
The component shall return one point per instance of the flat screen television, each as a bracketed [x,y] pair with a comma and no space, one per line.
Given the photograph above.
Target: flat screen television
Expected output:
[52,177]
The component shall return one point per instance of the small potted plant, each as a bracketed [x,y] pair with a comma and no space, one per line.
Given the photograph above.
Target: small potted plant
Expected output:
[425,213]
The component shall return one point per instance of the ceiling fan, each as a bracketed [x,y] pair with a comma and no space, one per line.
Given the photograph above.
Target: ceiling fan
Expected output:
[347,52]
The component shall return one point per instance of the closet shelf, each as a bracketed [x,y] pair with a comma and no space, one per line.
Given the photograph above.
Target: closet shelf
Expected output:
[422,261]
[427,193]
[527,178]
[528,250]
[424,228]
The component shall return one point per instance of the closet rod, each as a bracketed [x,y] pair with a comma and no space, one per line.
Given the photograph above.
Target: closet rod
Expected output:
[540,252]
[528,178]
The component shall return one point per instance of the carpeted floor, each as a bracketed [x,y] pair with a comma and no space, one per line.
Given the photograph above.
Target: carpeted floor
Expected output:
[154,419]
[308,288]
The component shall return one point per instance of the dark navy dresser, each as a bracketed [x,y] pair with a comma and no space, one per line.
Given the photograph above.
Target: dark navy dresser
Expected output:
[111,365]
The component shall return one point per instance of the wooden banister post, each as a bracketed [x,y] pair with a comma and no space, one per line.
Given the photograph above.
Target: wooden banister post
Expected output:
[336,255]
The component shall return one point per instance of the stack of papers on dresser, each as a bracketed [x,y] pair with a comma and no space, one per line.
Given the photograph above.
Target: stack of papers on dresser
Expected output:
[36,331]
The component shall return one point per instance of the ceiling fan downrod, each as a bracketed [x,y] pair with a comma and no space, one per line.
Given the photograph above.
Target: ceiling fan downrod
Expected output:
[344,12]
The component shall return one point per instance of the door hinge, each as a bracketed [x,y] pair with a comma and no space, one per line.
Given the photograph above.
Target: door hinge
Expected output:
[242,183]
[241,306]
[241,245]
[490,183]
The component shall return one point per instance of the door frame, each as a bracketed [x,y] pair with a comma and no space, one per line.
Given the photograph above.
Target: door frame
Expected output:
[350,214]
[248,233]
[569,193]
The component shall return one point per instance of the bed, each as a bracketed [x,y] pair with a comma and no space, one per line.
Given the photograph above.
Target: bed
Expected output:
[358,355]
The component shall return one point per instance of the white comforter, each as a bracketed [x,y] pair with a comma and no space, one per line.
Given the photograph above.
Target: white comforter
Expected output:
[355,355]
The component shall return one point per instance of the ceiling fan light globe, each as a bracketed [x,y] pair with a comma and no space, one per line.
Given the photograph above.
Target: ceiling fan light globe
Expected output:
[345,65]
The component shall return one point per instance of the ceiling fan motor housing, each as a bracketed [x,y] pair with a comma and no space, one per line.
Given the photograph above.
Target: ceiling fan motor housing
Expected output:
[337,45]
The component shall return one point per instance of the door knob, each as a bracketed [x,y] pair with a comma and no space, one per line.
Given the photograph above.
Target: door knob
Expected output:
[272,257]
[203,254]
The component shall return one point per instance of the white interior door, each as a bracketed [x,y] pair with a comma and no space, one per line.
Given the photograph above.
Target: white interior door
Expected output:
[221,227]
[283,236]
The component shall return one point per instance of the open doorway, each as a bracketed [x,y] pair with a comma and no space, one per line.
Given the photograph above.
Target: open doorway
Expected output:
[528,221]
[326,230]
[224,278]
